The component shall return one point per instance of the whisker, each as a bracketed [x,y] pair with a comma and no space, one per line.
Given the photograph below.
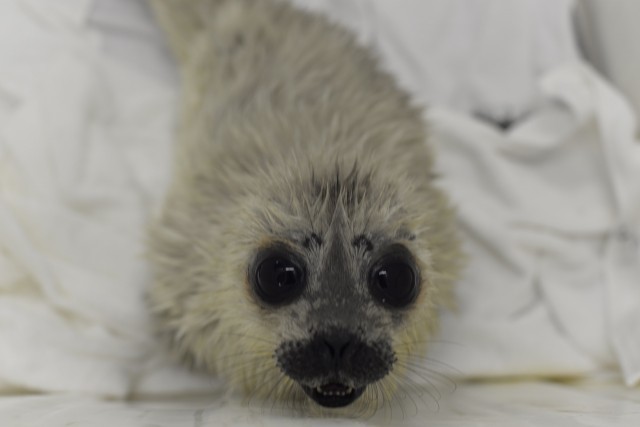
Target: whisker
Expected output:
[252,337]
[396,398]
[417,390]
[427,374]
[386,398]
[416,359]
[423,376]
[375,389]
[256,355]
[422,388]
[268,395]
[408,394]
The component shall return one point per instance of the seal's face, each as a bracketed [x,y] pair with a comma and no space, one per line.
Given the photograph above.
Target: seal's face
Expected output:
[321,288]
[338,301]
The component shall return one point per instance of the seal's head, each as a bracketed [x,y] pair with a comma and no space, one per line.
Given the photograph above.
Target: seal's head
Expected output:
[339,299]
[321,289]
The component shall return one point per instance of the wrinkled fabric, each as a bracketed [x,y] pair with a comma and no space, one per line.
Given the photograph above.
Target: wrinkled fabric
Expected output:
[84,158]
[550,215]
[481,57]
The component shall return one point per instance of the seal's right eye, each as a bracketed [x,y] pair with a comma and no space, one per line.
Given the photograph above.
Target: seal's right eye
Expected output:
[394,279]
[278,279]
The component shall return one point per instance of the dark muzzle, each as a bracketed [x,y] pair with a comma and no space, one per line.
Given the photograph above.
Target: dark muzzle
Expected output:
[335,366]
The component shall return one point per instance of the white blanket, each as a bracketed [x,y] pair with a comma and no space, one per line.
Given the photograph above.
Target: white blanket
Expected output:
[551,216]
[84,158]
[549,211]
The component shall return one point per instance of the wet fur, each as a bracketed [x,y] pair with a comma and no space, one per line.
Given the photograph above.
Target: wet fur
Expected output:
[290,133]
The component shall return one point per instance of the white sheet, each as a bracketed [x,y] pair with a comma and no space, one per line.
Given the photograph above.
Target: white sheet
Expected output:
[551,218]
[479,405]
[608,31]
[549,210]
[84,155]
[477,56]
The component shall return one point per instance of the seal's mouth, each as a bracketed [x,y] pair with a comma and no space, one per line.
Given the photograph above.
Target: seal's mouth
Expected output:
[333,394]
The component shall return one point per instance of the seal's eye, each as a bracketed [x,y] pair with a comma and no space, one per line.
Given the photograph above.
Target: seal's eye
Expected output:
[393,280]
[278,278]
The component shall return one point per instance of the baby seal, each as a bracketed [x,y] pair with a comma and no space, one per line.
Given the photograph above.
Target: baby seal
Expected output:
[303,249]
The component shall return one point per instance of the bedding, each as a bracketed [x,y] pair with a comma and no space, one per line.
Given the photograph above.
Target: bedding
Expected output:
[608,32]
[549,207]
[521,404]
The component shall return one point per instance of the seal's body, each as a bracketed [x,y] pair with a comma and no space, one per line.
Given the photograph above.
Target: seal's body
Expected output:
[302,249]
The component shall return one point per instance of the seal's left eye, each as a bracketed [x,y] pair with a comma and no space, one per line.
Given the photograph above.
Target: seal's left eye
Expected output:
[278,279]
[393,280]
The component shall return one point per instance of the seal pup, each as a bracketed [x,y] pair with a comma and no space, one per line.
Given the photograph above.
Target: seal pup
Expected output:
[303,249]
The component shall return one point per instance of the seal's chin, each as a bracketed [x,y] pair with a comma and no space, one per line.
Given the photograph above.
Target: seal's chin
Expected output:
[333,394]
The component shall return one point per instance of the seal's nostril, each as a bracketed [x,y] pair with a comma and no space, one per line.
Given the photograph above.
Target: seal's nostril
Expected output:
[344,348]
[337,345]
[330,347]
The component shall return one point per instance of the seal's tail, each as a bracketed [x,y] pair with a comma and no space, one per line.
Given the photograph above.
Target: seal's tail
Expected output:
[183,20]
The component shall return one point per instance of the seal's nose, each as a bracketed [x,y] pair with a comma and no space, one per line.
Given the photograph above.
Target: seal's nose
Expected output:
[335,355]
[339,345]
